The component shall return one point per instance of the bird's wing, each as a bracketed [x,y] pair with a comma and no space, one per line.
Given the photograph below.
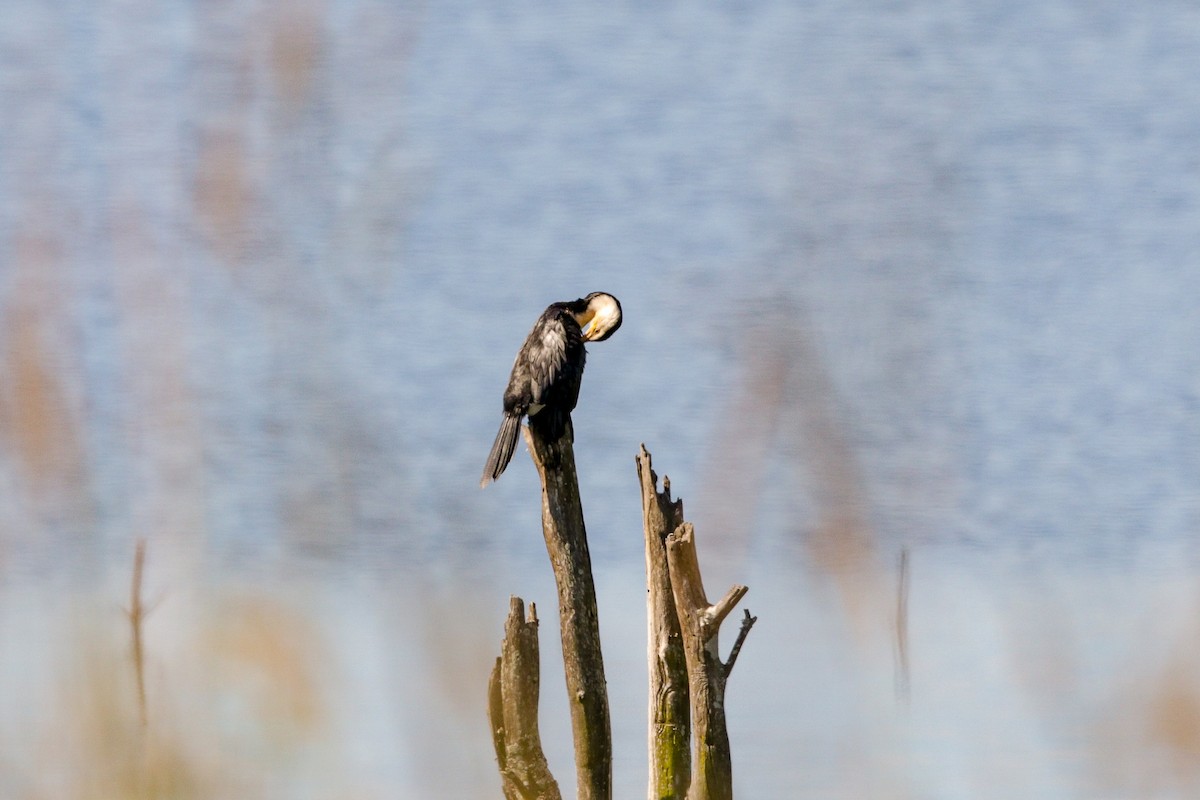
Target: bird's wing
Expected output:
[541,361]
[547,356]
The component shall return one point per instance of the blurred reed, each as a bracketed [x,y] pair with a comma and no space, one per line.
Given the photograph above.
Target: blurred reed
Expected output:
[215,231]
[783,433]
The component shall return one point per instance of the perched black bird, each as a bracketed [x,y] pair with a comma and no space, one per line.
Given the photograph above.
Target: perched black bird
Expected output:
[545,379]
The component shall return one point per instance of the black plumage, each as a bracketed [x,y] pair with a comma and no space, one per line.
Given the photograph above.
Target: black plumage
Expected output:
[547,373]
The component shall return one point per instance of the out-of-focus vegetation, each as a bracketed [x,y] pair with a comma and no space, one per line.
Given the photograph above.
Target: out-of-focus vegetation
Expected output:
[916,284]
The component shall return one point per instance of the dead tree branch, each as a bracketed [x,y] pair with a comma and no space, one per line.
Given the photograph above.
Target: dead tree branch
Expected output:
[712,777]
[747,623]
[513,710]
[566,543]
[670,726]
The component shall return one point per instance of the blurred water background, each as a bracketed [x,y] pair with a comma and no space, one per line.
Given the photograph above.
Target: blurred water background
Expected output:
[909,278]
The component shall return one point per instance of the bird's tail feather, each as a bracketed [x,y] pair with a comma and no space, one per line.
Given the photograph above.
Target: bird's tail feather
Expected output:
[502,449]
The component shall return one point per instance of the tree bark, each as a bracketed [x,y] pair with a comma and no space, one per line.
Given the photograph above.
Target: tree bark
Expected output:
[566,543]
[513,710]
[712,771]
[669,713]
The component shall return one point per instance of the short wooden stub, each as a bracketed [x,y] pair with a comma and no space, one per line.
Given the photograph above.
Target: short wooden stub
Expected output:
[513,710]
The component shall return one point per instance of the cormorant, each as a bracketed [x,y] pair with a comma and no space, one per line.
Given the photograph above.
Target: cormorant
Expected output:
[545,379]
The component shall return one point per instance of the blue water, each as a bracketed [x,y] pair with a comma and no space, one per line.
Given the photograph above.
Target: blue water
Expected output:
[923,270]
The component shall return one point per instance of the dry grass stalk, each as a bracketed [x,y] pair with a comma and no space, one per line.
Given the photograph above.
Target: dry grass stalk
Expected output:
[903,681]
[137,615]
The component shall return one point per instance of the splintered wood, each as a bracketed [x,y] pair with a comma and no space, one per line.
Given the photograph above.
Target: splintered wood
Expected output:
[685,664]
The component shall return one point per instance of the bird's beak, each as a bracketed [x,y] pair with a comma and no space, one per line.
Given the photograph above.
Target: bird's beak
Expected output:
[587,324]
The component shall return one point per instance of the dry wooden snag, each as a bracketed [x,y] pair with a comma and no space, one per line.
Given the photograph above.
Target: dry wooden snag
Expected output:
[669,714]
[687,676]
[684,663]
[583,663]
[712,770]
[513,710]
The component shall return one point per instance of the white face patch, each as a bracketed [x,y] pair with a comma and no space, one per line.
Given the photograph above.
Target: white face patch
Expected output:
[606,315]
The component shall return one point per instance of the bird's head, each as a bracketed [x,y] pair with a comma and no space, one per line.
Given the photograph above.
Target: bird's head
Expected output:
[600,317]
